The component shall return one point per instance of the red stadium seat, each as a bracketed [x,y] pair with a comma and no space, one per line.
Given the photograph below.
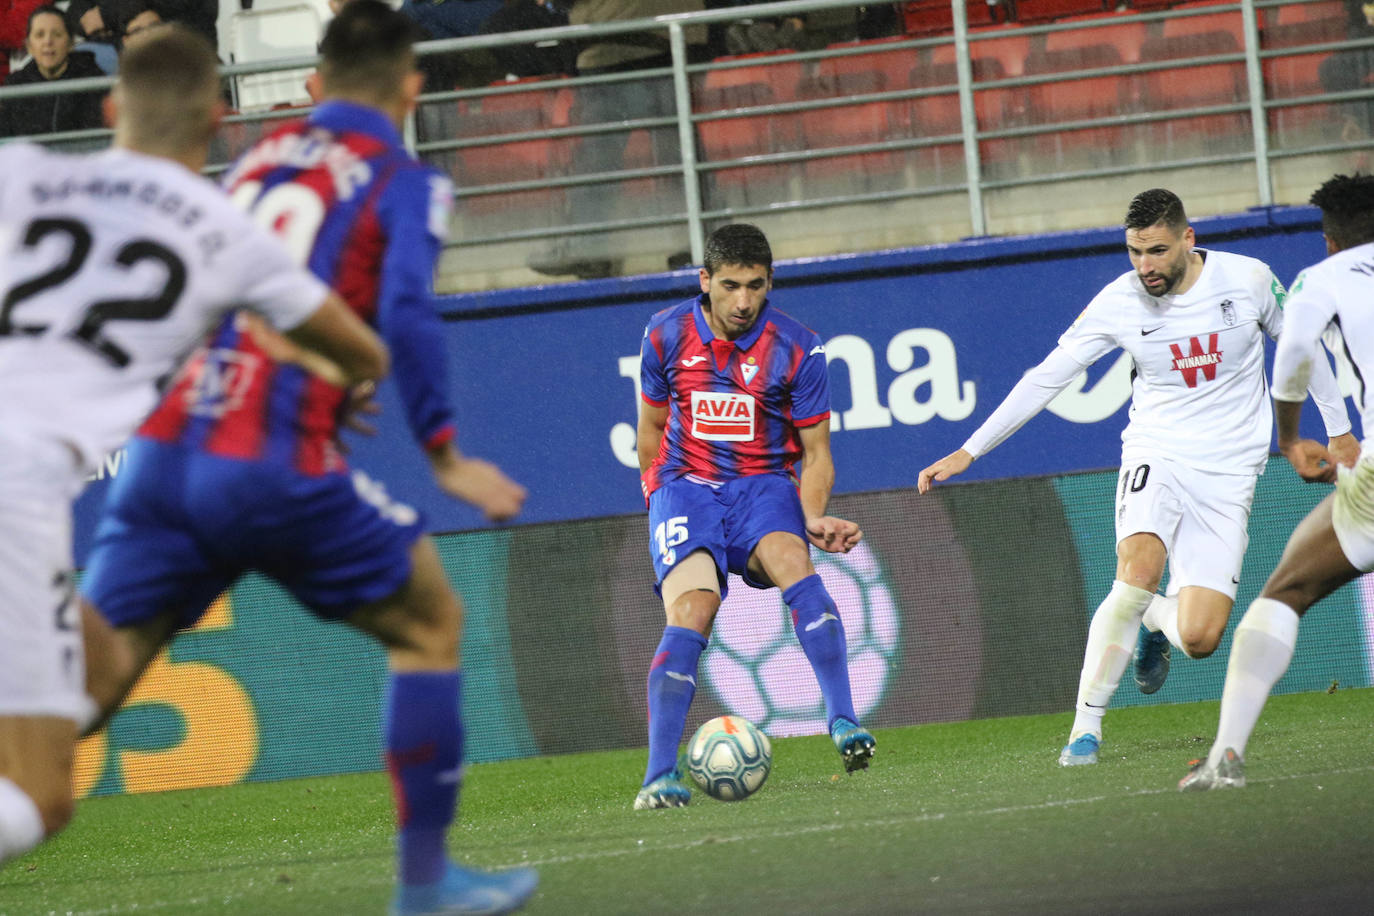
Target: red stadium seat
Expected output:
[1294,24]
[541,107]
[1180,86]
[1078,99]
[851,125]
[739,137]
[936,17]
[1033,11]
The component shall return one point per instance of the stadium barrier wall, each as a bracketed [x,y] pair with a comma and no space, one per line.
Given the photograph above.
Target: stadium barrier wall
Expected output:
[970,603]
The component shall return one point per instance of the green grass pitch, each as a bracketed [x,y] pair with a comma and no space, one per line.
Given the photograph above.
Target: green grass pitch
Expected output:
[974,817]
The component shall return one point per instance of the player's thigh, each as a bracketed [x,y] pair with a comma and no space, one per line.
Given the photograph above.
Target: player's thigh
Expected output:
[1147,517]
[766,531]
[1213,533]
[1317,558]
[42,671]
[686,519]
[692,592]
[422,621]
[36,754]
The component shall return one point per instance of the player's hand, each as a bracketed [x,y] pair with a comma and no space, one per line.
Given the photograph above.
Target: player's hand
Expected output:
[833,535]
[480,484]
[358,404]
[1344,449]
[951,465]
[1311,460]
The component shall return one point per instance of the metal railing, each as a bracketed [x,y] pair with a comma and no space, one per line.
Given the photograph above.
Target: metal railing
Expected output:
[520,169]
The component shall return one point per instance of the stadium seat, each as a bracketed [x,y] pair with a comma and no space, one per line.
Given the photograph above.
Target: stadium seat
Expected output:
[851,125]
[1032,11]
[775,69]
[725,138]
[1291,25]
[542,106]
[1180,86]
[274,33]
[936,17]
[1077,99]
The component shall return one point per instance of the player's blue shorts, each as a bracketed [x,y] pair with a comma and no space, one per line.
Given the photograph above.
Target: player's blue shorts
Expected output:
[727,520]
[180,526]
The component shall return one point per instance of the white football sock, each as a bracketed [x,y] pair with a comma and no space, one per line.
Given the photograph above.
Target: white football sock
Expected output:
[1261,649]
[1111,641]
[21,826]
[1162,617]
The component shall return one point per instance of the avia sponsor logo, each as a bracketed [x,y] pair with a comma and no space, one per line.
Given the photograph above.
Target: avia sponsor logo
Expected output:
[1197,360]
[722,416]
[109,466]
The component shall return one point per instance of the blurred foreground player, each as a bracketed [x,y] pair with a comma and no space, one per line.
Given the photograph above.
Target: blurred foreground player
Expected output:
[734,394]
[1335,542]
[114,266]
[238,469]
[1194,322]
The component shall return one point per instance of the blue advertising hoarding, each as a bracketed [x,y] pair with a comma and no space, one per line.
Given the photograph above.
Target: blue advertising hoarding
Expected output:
[922,343]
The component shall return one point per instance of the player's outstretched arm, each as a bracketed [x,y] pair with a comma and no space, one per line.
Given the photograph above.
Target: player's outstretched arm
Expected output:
[340,336]
[952,465]
[835,535]
[478,483]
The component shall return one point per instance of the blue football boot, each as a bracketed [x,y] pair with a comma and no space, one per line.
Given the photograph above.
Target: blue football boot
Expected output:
[1080,751]
[1151,661]
[854,743]
[468,892]
[667,791]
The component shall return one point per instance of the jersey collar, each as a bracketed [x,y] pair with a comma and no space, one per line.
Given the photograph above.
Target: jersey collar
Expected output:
[337,114]
[707,336]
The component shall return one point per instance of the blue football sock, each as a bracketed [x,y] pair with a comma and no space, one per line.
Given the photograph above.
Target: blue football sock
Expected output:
[821,634]
[424,751]
[672,684]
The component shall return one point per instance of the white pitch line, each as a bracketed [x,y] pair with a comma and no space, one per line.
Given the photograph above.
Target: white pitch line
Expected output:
[738,838]
[895,821]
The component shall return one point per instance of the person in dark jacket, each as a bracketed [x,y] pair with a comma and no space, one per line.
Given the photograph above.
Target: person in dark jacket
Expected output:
[49,43]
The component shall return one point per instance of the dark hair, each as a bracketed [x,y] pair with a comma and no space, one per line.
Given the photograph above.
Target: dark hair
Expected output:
[737,243]
[1347,205]
[1155,206]
[367,48]
[50,10]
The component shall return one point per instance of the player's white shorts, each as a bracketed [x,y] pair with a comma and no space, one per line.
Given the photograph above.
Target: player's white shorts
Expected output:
[1352,511]
[42,665]
[1200,516]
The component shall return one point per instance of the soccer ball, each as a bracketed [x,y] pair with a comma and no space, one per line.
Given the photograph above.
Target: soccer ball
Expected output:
[729,758]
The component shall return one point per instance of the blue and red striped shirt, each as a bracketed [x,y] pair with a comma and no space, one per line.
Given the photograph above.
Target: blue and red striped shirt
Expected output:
[346,198]
[734,406]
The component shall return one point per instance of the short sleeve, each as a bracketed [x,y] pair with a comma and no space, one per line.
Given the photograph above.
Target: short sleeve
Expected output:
[811,387]
[1094,333]
[272,283]
[653,381]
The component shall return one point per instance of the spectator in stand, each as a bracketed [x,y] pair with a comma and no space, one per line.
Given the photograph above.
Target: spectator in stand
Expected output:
[200,15]
[450,18]
[140,27]
[588,256]
[542,59]
[49,44]
[14,27]
[1347,71]
[752,36]
[98,25]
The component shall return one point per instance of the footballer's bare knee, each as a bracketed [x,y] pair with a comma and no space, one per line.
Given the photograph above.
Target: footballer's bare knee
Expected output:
[694,610]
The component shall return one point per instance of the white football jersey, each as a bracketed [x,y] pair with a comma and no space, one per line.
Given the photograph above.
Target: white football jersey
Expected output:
[1198,388]
[112,267]
[1338,290]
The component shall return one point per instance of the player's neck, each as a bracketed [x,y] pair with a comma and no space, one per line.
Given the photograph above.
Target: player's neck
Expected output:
[394,109]
[192,159]
[1190,276]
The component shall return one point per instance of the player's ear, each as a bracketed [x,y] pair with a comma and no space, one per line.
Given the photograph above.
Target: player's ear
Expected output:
[411,88]
[314,87]
[109,108]
[1331,246]
[1189,238]
[705,280]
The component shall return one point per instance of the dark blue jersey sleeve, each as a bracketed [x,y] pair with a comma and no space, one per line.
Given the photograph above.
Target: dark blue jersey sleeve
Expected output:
[413,211]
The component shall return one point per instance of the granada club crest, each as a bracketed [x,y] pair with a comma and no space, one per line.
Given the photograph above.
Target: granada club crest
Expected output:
[1228,312]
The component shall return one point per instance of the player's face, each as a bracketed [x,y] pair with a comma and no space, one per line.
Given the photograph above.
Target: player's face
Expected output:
[1160,256]
[736,293]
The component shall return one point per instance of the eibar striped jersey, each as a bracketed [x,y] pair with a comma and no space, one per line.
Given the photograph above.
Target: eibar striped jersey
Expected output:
[734,407]
[344,196]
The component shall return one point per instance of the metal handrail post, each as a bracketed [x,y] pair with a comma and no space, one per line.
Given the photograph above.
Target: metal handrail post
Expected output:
[1259,124]
[968,118]
[682,96]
